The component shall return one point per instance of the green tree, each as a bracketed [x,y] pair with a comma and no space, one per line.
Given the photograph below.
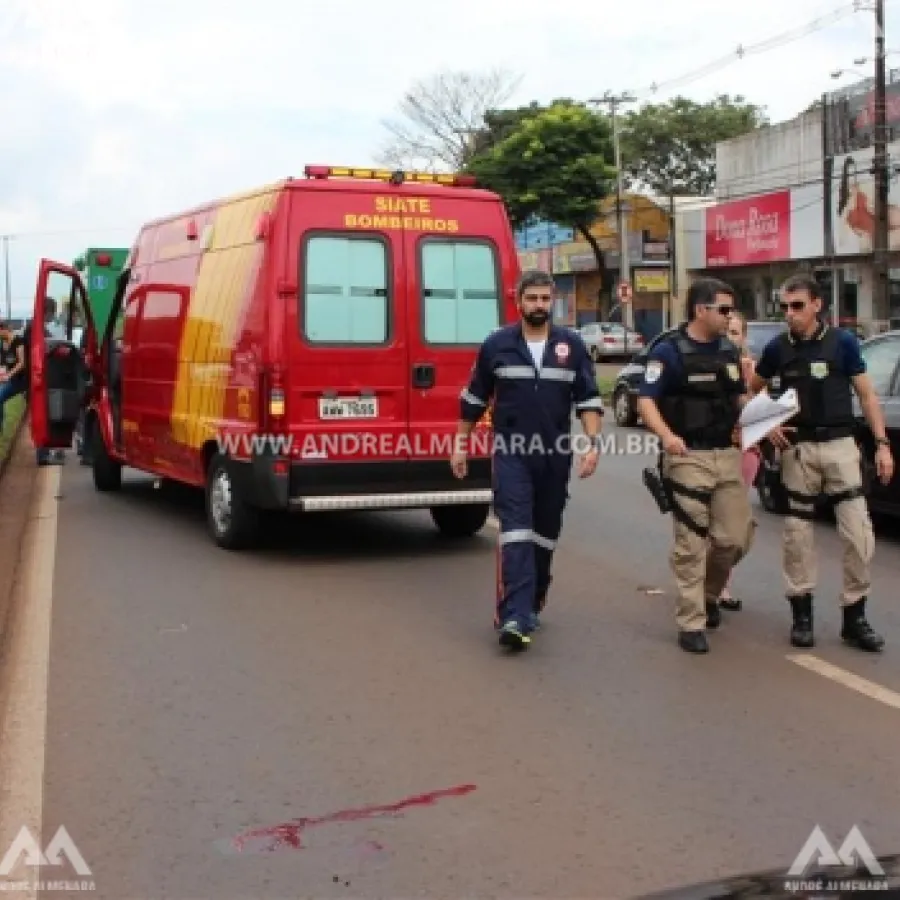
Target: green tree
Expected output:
[671,147]
[555,164]
[499,124]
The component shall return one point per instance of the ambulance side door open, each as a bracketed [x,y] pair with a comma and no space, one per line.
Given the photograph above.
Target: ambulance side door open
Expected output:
[61,376]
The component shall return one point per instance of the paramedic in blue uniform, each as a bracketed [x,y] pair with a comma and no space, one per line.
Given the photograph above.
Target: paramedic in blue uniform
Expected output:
[534,372]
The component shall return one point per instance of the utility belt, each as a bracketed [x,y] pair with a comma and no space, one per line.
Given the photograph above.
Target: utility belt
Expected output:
[716,443]
[818,434]
[802,505]
[665,492]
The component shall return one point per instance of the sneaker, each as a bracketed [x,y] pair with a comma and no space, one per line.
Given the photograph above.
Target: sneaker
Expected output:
[513,636]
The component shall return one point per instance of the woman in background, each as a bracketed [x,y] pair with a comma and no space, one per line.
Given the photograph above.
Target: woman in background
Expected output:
[750,460]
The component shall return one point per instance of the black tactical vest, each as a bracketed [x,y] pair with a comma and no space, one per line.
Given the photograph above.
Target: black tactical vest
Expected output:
[823,390]
[702,407]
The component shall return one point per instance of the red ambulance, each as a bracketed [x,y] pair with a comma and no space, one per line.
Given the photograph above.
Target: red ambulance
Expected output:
[299,347]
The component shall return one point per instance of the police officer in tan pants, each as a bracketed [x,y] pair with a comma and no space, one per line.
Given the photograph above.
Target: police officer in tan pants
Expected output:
[691,397]
[820,456]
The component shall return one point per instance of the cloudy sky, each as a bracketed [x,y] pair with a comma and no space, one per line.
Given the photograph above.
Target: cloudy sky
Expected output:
[117,111]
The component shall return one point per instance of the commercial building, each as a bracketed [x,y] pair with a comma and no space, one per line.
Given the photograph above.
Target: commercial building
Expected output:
[766,221]
[587,292]
[799,196]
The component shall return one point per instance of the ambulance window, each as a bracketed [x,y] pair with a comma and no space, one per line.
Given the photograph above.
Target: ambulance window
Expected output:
[345,298]
[461,293]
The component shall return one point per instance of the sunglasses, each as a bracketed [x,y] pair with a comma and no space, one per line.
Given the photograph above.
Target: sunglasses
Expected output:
[722,310]
[793,306]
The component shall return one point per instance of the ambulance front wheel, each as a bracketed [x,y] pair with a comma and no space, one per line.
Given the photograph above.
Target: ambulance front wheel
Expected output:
[460,521]
[106,471]
[232,522]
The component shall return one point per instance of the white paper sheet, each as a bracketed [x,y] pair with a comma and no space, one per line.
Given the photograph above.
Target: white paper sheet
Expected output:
[762,414]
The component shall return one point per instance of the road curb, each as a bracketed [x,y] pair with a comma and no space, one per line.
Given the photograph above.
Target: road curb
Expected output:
[19,480]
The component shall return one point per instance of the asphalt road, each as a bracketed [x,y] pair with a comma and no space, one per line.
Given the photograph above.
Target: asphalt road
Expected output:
[332,717]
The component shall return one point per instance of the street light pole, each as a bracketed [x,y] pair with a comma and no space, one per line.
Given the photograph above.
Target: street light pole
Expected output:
[614,101]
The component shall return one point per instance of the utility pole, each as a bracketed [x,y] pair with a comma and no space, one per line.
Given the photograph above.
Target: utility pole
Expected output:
[673,268]
[881,286]
[614,101]
[6,276]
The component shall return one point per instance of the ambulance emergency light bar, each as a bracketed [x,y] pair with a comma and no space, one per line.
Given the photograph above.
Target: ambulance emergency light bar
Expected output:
[398,177]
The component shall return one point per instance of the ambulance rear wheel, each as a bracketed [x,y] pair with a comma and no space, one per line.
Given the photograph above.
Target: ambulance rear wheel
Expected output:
[460,521]
[232,523]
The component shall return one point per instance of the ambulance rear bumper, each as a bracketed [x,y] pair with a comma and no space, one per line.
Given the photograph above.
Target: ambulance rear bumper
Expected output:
[423,500]
[327,487]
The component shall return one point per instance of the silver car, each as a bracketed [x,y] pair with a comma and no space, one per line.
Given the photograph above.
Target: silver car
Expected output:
[610,340]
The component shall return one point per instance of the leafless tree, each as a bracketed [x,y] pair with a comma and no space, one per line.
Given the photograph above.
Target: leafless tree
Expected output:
[440,116]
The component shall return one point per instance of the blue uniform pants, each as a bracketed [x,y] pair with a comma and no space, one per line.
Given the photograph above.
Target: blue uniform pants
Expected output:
[530,494]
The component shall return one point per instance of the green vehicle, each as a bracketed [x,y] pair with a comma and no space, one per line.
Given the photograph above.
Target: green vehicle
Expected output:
[100,268]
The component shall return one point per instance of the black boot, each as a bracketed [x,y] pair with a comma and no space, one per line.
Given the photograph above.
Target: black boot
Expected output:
[713,615]
[857,632]
[802,628]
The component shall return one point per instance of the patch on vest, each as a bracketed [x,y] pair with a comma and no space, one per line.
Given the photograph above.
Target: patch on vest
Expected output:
[653,371]
[734,372]
[562,352]
[818,369]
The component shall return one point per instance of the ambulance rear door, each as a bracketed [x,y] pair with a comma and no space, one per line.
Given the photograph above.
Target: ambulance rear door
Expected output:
[461,269]
[347,386]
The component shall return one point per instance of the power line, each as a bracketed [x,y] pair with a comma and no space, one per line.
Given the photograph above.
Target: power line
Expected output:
[743,50]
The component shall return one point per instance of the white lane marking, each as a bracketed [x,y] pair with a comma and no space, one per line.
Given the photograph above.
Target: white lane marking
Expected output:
[493,522]
[24,726]
[847,679]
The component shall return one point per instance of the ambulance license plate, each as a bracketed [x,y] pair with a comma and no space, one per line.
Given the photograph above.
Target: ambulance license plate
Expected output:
[348,408]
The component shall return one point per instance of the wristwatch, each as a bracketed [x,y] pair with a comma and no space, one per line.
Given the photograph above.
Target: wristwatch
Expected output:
[884,441]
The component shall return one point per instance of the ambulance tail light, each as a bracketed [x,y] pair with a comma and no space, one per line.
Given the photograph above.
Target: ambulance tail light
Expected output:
[394,177]
[273,399]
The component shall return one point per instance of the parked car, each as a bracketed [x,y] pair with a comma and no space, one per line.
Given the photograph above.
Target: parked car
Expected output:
[628,380]
[760,332]
[607,340]
[882,356]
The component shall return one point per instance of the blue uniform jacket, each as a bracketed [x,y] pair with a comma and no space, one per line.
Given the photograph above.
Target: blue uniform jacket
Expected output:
[528,402]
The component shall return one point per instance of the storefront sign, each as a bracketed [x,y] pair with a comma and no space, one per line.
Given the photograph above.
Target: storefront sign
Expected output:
[655,250]
[850,114]
[853,194]
[574,257]
[746,232]
[535,259]
[652,281]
